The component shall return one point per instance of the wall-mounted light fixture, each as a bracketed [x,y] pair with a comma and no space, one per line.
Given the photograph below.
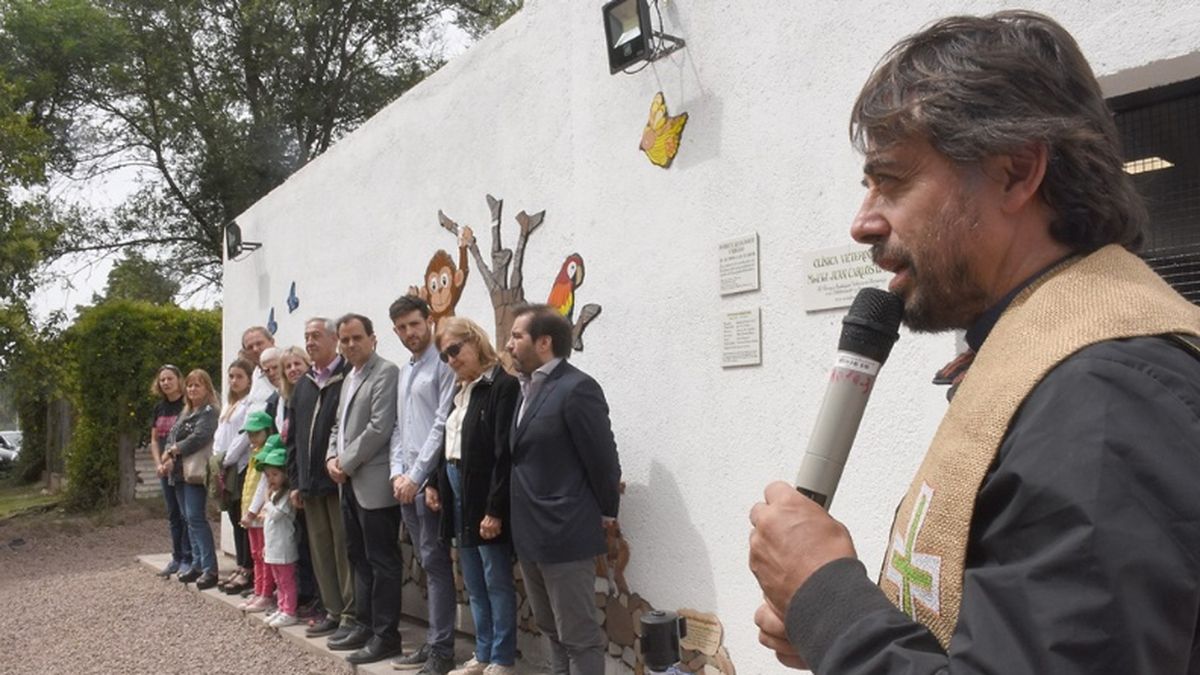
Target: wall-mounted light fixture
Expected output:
[233,241]
[631,37]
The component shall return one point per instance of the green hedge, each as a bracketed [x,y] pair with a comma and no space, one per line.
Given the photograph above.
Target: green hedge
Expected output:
[115,349]
[35,368]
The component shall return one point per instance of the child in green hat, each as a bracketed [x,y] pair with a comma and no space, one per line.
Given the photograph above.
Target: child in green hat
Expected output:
[257,427]
[279,528]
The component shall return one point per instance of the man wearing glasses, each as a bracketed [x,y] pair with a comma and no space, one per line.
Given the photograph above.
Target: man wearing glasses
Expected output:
[426,389]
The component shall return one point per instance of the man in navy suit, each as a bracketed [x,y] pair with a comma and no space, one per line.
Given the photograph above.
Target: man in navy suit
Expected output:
[565,488]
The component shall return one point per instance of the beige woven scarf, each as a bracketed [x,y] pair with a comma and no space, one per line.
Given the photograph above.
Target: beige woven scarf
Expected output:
[1107,295]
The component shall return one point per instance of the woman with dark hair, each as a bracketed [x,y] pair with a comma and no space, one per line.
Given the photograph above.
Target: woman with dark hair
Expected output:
[168,387]
[190,440]
[472,490]
[233,449]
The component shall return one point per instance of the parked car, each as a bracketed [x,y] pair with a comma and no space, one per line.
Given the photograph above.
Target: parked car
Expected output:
[10,446]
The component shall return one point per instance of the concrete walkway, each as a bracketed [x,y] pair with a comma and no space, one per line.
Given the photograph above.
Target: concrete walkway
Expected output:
[412,633]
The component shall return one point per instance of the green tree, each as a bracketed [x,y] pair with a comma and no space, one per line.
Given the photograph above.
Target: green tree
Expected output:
[115,349]
[221,100]
[63,47]
[480,17]
[136,278]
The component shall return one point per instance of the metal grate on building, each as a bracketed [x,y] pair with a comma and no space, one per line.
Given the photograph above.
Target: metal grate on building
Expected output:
[1160,135]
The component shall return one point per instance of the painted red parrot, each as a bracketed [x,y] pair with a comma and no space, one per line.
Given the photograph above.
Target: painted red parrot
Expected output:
[570,277]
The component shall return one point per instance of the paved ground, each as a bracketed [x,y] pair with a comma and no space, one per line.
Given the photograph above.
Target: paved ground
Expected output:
[76,599]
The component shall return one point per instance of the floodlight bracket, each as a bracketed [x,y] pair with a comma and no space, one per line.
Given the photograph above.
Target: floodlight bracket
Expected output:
[677,43]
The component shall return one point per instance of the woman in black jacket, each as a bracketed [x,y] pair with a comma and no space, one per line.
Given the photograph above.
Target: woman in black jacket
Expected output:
[192,437]
[473,476]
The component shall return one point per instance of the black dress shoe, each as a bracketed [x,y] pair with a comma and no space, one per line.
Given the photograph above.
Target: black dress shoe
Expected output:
[357,639]
[326,626]
[206,581]
[190,576]
[342,631]
[376,649]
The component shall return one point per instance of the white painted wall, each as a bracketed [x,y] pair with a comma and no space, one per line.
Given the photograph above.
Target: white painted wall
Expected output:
[532,116]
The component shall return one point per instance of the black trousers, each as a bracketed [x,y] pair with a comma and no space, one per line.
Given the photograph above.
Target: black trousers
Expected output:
[306,583]
[241,540]
[372,544]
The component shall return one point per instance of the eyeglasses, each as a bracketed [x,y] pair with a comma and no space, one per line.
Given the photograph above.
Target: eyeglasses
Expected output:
[451,352]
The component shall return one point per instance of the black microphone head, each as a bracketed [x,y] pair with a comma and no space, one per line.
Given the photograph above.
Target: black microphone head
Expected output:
[872,325]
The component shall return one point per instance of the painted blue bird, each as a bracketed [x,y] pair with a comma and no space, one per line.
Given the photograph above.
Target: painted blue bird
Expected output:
[293,302]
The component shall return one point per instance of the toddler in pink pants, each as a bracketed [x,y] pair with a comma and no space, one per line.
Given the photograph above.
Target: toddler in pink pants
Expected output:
[279,532]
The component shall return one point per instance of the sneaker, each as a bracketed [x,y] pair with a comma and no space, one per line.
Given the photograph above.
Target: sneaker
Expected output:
[283,620]
[171,568]
[245,604]
[472,667]
[437,665]
[497,669]
[261,604]
[412,661]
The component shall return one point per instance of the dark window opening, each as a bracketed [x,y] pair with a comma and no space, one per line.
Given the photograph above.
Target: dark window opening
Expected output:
[1160,136]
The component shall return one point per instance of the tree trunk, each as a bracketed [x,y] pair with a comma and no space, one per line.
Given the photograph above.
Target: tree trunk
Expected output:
[127,485]
[59,426]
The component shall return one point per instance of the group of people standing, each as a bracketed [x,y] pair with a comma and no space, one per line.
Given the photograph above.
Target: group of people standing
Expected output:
[448,444]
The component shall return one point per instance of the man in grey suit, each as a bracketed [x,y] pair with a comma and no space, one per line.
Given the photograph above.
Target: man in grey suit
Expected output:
[565,488]
[357,460]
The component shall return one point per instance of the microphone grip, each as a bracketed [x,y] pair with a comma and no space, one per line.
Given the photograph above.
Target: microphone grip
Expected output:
[850,384]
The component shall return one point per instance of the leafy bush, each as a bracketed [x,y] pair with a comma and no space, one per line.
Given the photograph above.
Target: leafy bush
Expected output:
[116,348]
[34,370]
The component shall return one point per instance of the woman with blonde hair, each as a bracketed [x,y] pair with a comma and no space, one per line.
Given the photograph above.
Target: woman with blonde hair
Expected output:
[293,364]
[472,490]
[285,367]
[192,436]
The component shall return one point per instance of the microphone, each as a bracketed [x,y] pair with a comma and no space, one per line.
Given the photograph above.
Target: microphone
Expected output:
[868,333]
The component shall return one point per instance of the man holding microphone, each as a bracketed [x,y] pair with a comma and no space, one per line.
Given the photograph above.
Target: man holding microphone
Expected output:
[1053,525]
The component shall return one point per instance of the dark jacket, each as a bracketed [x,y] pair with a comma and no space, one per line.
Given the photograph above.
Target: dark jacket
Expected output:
[485,462]
[314,412]
[566,475]
[1084,549]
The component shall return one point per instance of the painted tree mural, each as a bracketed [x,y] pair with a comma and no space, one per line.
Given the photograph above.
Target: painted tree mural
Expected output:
[504,277]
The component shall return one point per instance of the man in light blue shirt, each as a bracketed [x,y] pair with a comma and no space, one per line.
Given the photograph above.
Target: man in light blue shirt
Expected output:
[426,390]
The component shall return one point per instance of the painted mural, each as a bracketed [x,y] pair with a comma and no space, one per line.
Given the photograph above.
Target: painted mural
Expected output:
[660,138]
[562,298]
[293,300]
[443,283]
[505,277]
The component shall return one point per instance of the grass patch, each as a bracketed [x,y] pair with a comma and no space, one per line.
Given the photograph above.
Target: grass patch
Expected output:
[15,499]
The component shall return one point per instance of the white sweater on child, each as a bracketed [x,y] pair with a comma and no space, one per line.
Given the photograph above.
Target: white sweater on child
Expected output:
[279,531]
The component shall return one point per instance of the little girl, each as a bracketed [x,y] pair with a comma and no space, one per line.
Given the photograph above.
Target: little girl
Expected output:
[254,492]
[279,530]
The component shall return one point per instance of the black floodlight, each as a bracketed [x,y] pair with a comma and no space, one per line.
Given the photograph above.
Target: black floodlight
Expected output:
[630,35]
[233,241]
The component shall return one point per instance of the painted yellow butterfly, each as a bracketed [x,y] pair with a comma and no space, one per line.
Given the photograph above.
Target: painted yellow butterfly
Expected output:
[660,139]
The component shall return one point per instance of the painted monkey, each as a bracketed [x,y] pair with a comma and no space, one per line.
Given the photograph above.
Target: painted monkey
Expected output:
[443,283]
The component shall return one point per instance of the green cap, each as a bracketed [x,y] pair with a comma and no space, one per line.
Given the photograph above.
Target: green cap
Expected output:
[273,454]
[257,421]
